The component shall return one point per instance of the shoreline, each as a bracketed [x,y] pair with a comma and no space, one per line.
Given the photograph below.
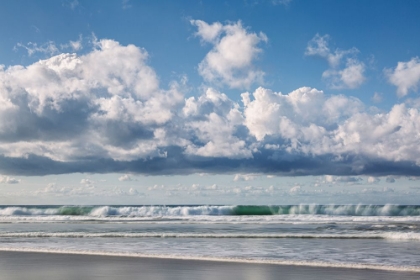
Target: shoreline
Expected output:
[38,265]
[291,263]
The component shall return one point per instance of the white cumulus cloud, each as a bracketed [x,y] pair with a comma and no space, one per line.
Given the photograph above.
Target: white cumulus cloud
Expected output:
[105,111]
[230,62]
[406,76]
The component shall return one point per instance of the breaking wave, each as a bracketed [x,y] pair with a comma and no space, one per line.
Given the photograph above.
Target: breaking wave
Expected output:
[209,210]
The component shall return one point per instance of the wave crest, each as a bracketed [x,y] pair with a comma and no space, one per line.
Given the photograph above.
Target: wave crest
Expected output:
[209,210]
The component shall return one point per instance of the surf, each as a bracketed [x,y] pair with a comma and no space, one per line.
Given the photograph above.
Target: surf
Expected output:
[211,210]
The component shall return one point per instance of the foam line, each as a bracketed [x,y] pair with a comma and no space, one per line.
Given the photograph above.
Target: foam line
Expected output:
[382,235]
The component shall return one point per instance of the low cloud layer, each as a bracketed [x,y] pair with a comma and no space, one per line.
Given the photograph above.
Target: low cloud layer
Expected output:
[105,111]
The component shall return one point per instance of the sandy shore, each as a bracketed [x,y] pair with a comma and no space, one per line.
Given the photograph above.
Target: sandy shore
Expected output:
[24,265]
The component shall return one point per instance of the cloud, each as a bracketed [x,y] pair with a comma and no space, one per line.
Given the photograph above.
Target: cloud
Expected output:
[214,120]
[48,48]
[406,76]
[9,180]
[244,177]
[73,4]
[373,180]
[126,178]
[296,190]
[230,62]
[281,2]
[126,4]
[337,77]
[86,182]
[73,45]
[377,97]
[342,179]
[56,190]
[390,179]
[105,111]
[375,191]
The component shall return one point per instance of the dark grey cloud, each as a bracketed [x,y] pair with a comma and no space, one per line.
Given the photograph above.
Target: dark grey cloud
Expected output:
[177,163]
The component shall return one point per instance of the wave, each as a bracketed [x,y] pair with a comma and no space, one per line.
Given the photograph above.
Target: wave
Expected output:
[323,264]
[209,210]
[376,235]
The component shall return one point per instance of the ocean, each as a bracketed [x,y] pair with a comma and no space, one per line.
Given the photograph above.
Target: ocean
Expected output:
[378,237]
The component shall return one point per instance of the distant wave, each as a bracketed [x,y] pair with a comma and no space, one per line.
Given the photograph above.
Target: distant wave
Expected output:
[323,264]
[209,210]
[375,235]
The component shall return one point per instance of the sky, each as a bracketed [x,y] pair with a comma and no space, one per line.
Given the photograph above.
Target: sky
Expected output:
[209,102]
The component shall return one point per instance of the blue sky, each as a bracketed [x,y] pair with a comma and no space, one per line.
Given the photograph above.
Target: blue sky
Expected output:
[175,102]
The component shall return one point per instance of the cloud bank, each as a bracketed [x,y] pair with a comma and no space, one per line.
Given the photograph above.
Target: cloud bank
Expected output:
[105,111]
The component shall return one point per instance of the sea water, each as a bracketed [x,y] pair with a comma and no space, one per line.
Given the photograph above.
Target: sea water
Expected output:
[354,236]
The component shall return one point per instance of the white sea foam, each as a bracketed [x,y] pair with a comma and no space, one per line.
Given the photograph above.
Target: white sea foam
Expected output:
[159,211]
[415,269]
[209,210]
[371,235]
[275,219]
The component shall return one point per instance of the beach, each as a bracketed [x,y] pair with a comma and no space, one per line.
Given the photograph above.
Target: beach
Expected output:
[47,266]
[210,242]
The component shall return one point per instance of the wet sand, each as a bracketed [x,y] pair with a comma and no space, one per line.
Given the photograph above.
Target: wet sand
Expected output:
[24,265]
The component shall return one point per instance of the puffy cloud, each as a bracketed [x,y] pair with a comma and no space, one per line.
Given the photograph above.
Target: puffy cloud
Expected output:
[244,177]
[214,122]
[304,115]
[373,180]
[125,178]
[406,76]
[308,122]
[337,77]
[342,179]
[296,190]
[71,107]
[9,180]
[105,111]
[86,182]
[230,62]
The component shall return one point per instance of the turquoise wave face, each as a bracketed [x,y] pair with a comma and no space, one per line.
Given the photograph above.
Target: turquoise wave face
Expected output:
[209,210]
[74,211]
[334,210]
